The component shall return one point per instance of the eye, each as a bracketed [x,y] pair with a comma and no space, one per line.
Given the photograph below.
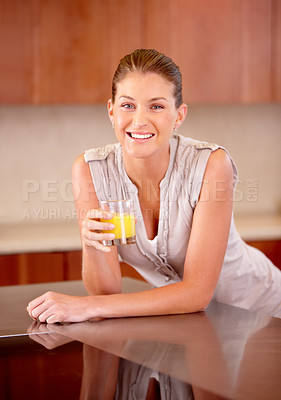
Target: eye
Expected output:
[157,107]
[127,106]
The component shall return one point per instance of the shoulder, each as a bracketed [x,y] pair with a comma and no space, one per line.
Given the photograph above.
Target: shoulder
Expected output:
[207,158]
[79,165]
[81,175]
[219,165]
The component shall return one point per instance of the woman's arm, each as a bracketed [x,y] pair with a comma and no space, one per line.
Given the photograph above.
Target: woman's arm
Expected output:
[204,258]
[100,374]
[100,266]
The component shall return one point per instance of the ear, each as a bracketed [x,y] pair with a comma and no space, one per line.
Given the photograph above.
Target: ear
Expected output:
[110,111]
[182,111]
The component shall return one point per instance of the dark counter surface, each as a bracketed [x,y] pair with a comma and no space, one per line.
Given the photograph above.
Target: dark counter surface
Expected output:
[224,352]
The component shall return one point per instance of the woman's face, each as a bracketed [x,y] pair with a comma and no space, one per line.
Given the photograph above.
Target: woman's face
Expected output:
[144,113]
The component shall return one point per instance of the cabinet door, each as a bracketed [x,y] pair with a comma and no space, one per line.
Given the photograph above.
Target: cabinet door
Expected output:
[222,47]
[19,269]
[72,265]
[276,50]
[78,45]
[16,80]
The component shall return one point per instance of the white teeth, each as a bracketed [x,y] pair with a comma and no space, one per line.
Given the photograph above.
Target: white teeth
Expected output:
[137,136]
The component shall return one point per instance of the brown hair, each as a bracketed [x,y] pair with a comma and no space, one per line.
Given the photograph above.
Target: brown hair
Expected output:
[149,60]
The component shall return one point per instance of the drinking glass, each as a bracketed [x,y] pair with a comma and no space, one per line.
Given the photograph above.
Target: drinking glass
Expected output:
[123,219]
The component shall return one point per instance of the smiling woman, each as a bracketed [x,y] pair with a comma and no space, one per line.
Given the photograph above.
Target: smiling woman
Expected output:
[144,113]
[187,246]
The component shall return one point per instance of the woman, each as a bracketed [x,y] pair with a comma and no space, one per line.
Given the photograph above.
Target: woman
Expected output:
[187,245]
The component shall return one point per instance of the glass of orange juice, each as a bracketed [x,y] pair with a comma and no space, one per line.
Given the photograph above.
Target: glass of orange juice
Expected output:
[124,220]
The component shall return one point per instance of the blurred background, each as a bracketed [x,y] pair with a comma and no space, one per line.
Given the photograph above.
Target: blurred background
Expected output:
[56,66]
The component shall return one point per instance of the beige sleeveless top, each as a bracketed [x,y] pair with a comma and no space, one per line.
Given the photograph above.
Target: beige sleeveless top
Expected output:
[248,279]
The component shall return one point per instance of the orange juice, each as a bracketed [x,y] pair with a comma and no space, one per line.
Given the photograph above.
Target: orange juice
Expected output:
[124,226]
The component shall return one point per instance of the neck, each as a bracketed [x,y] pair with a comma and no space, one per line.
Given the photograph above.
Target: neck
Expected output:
[144,170]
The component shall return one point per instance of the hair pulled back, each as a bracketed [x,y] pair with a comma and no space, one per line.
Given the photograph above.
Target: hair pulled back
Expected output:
[149,60]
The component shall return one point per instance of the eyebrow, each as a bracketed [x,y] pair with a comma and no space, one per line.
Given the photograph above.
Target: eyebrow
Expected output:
[153,99]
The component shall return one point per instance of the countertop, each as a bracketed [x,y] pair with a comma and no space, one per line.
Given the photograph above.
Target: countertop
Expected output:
[51,236]
[226,352]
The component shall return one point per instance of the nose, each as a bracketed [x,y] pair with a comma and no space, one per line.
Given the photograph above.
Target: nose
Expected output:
[140,118]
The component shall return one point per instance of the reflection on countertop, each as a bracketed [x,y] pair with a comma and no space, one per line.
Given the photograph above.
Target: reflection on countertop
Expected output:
[225,351]
[63,235]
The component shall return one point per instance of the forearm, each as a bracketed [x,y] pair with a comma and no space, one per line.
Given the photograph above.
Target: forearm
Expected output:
[99,374]
[177,298]
[176,329]
[100,276]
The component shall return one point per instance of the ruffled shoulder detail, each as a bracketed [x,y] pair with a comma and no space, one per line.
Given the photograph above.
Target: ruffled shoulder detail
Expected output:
[100,153]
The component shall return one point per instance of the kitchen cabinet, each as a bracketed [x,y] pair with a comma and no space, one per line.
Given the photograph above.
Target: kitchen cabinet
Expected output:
[222,47]
[276,50]
[20,269]
[79,45]
[16,63]
[66,51]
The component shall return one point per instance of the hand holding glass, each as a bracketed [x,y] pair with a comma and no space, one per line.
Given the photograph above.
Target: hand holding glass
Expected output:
[123,219]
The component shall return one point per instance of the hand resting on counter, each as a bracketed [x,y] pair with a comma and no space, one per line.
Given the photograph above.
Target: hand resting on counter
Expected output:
[54,307]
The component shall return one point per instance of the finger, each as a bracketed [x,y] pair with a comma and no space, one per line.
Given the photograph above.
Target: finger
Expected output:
[47,340]
[39,311]
[38,339]
[97,213]
[48,313]
[97,236]
[33,328]
[94,225]
[35,303]
[39,305]
[97,245]
[53,318]
[37,327]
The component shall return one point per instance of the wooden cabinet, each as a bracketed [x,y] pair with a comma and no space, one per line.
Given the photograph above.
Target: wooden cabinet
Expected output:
[276,50]
[222,47]
[66,51]
[271,248]
[78,47]
[16,61]
[20,269]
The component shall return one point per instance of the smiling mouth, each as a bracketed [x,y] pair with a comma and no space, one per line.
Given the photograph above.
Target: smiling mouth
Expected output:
[142,136]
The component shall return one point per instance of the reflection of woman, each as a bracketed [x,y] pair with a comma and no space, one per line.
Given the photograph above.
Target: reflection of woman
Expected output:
[107,377]
[184,346]
[187,245]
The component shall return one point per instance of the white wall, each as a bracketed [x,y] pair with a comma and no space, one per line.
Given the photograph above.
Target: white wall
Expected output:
[39,144]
